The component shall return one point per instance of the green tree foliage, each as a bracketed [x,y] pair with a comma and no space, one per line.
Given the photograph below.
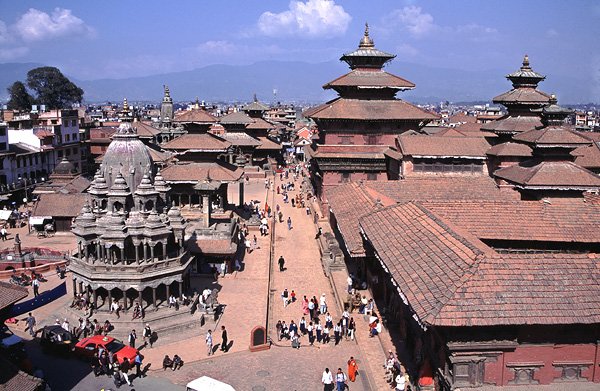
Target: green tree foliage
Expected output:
[19,97]
[53,89]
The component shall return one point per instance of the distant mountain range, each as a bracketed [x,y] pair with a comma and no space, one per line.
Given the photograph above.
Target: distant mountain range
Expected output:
[295,81]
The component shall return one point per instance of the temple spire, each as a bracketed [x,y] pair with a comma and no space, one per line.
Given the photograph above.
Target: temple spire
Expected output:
[366,42]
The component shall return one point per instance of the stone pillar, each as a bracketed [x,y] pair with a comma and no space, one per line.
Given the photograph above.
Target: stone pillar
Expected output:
[152,252]
[168,286]
[122,253]
[137,253]
[79,251]
[74,287]
[222,201]
[164,245]
[206,210]
[98,251]
[87,252]
[241,191]
[140,298]
[80,287]
[87,292]
[154,298]
[109,298]
[180,288]
[145,251]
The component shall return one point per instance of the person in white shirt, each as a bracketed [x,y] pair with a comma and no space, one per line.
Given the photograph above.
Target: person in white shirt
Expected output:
[323,304]
[209,343]
[327,380]
[400,382]
[340,380]
[350,283]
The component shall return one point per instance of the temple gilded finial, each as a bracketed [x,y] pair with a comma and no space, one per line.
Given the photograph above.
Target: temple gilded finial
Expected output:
[553,99]
[366,41]
[125,105]
[167,92]
[526,61]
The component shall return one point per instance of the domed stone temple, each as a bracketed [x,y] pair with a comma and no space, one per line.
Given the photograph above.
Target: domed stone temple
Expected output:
[130,240]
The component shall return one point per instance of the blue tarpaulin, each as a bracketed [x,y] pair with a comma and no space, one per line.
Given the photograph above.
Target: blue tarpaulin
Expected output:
[42,299]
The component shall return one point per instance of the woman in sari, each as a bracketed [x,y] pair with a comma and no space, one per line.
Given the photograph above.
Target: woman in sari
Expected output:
[352,369]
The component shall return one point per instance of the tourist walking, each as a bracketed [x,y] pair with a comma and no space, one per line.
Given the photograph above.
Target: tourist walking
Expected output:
[281,263]
[125,367]
[224,339]
[132,338]
[289,223]
[352,369]
[31,324]
[36,287]
[147,335]
[340,380]
[138,365]
[327,380]
[209,343]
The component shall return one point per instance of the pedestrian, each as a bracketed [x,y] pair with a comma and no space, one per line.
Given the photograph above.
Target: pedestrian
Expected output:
[303,325]
[281,262]
[319,233]
[125,367]
[138,365]
[337,332]
[400,382]
[284,297]
[352,369]
[65,325]
[3,233]
[278,327]
[319,331]
[209,342]
[311,336]
[223,268]
[131,339]
[224,339]
[147,335]
[305,305]
[31,324]
[36,287]
[323,304]
[350,283]
[327,380]
[116,308]
[289,222]
[340,380]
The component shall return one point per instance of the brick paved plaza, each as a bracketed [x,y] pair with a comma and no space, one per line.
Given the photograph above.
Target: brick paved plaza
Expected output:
[244,294]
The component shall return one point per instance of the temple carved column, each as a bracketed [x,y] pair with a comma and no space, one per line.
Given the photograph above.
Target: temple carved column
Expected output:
[154,298]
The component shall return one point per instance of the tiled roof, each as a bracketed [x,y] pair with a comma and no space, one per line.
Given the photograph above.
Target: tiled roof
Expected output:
[10,294]
[427,259]
[511,124]
[588,156]
[351,201]
[59,205]
[255,106]
[267,144]
[442,188]
[159,156]
[259,123]
[450,132]
[194,172]
[574,221]
[462,118]
[510,149]
[515,289]
[238,117]
[240,139]
[335,151]
[421,145]
[450,278]
[12,379]
[196,115]
[212,246]
[200,142]
[360,109]
[370,78]
[552,136]
[471,127]
[550,175]
[145,130]
[523,96]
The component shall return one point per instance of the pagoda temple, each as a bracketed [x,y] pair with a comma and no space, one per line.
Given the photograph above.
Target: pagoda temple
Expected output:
[520,102]
[357,130]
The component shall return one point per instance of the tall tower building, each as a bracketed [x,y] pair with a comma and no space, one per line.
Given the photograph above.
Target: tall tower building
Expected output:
[166,108]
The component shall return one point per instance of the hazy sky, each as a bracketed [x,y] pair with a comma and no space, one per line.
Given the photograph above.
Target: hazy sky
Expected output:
[100,39]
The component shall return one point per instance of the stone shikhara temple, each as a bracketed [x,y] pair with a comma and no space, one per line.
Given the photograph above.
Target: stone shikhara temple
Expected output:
[130,240]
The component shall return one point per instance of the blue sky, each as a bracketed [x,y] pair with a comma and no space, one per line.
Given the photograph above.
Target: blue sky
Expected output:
[113,39]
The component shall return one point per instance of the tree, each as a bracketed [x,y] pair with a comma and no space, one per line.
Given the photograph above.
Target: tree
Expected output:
[53,89]
[19,97]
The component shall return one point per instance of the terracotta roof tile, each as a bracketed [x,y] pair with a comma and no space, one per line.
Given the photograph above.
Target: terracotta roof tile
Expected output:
[510,124]
[588,156]
[268,144]
[358,109]
[570,221]
[196,115]
[370,78]
[421,145]
[194,172]
[552,136]
[514,289]
[200,142]
[335,151]
[10,294]
[240,139]
[237,117]
[463,118]
[510,149]
[59,205]
[145,130]
[550,175]
[522,96]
